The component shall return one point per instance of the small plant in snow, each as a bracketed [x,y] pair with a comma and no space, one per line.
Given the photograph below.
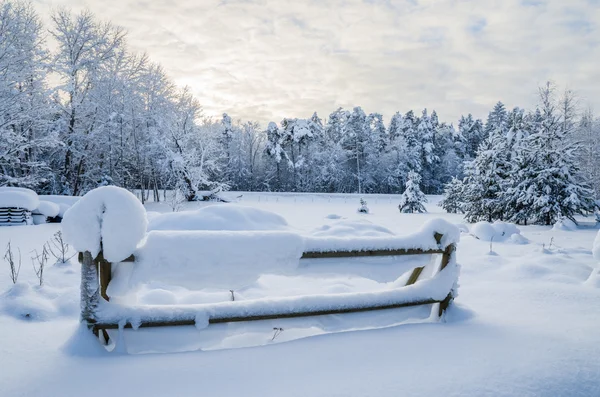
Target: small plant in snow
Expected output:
[412,199]
[363,209]
[41,260]
[58,248]
[176,200]
[10,258]
[276,332]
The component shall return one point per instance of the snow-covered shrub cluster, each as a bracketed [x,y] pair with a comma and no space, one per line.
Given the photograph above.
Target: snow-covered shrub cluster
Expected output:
[497,232]
[107,218]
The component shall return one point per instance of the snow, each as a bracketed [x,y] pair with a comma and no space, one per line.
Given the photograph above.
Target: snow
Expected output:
[110,216]
[48,209]
[523,324]
[497,231]
[16,197]
[219,217]
[565,224]
[596,247]
[220,259]
[63,202]
[362,235]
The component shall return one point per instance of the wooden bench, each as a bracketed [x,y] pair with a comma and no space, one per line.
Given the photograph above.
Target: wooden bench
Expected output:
[97,272]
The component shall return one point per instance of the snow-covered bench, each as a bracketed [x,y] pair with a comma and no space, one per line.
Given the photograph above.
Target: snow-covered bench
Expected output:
[16,206]
[108,224]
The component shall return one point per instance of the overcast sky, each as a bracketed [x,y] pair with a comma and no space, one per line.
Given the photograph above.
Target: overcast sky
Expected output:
[265,60]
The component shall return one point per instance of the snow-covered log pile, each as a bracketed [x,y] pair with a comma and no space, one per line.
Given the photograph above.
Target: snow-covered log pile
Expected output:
[112,221]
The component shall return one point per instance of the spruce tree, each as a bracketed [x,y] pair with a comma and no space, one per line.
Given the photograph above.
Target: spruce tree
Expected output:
[453,197]
[412,199]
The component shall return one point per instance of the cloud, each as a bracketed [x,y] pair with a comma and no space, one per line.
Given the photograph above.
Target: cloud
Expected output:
[268,59]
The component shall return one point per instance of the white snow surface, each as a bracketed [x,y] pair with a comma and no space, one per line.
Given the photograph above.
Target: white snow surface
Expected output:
[596,247]
[48,209]
[18,197]
[110,216]
[565,224]
[363,235]
[63,202]
[219,217]
[219,259]
[524,324]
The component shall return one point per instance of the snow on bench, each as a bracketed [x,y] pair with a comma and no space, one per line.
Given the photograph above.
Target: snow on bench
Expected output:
[16,206]
[108,228]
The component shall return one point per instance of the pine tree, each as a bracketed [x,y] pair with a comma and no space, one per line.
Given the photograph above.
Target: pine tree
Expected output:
[557,186]
[412,199]
[453,201]
[486,178]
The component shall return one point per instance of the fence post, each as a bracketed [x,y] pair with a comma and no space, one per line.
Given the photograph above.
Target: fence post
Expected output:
[90,295]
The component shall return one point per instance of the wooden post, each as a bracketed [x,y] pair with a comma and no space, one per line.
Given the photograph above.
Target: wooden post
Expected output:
[105,268]
[90,295]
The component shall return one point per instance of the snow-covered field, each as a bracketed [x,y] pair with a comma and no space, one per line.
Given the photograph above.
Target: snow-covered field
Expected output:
[526,323]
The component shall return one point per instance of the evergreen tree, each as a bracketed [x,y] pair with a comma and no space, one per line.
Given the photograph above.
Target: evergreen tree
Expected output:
[412,199]
[453,196]
[486,178]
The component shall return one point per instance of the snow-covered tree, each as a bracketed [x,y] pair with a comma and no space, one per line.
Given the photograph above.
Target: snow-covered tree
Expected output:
[453,201]
[412,199]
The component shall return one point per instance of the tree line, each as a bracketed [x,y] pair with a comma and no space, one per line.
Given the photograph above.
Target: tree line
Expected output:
[87,111]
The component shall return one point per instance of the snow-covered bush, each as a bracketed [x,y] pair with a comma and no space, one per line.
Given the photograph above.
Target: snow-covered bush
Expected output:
[498,231]
[413,198]
[107,218]
[363,209]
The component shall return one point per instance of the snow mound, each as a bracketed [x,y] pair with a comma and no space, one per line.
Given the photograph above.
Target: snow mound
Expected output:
[498,231]
[363,236]
[333,216]
[215,259]
[219,217]
[596,247]
[565,224]
[18,197]
[48,209]
[63,202]
[350,228]
[109,215]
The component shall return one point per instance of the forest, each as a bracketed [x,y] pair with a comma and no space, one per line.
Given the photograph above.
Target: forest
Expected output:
[79,109]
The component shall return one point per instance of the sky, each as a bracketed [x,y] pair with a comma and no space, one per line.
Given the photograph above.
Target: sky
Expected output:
[265,60]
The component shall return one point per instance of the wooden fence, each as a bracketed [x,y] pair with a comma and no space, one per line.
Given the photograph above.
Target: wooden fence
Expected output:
[96,276]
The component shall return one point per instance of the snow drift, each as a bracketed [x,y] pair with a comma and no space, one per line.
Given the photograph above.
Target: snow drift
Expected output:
[107,218]
[219,217]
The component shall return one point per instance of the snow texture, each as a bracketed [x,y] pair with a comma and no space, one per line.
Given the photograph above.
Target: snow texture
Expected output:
[596,247]
[219,259]
[565,224]
[342,237]
[435,288]
[63,202]
[48,209]
[107,217]
[352,228]
[497,231]
[219,217]
[16,197]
